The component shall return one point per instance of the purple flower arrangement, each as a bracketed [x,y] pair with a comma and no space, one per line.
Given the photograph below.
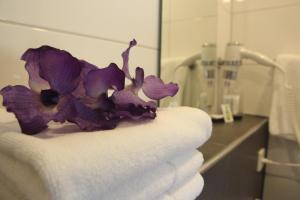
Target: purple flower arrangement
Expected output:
[63,88]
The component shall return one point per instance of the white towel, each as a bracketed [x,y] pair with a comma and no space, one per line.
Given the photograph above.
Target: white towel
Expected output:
[158,180]
[7,190]
[190,190]
[144,186]
[88,165]
[280,120]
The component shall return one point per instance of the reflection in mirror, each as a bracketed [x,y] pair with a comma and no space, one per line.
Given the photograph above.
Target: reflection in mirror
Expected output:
[250,38]
[187,28]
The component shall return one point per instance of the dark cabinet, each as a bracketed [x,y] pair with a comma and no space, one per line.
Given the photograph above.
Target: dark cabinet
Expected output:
[233,176]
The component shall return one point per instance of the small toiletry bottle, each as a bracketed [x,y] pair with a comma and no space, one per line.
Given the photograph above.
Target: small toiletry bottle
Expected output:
[209,95]
[231,93]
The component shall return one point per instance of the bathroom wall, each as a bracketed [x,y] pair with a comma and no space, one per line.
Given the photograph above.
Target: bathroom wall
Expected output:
[96,30]
[186,25]
[282,182]
[270,27]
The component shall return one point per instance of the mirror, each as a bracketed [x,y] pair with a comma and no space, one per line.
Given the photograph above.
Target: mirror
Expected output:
[186,27]
[267,32]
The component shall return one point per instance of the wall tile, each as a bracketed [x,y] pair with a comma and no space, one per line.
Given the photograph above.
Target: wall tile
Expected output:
[256,87]
[282,182]
[166,14]
[284,150]
[15,40]
[223,26]
[186,37]
[187,25]
[165,37]
[271,32]
[114,20]
[278,188]
[182,9]
[248,5]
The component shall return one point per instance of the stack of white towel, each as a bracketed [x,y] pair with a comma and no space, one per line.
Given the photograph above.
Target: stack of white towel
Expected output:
[152,160]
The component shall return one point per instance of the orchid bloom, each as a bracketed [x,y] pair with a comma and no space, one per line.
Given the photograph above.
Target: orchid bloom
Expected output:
[53,76]
[63,88]
[152,86]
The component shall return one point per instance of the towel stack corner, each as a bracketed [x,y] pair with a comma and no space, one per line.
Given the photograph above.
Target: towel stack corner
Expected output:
[153,160]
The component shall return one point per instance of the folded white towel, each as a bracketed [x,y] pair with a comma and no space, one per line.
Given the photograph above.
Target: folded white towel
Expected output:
[165,179]
[7,190]
[160,179]
[87,165]
[280,116]
[190,190]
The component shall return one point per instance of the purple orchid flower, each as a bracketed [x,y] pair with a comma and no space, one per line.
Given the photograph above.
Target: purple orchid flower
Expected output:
[95,110]
[63,88]
[153,87]
[53,76]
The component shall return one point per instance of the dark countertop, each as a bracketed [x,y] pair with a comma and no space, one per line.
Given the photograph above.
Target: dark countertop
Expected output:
[226,137]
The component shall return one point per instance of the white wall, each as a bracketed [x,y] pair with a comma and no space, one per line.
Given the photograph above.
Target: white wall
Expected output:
[187,25]
[268,26]
[282,182]
[271,27]
[95,30]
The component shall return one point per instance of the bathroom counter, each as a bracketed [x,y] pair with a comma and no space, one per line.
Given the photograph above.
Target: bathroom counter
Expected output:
[229,169]
[226,137]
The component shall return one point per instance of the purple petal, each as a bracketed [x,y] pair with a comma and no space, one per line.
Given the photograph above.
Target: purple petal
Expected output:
[128,105]
[26,105]
[86,67]
[137,82]
[103,102]
[58,67]
[125,97]
[98,81]
[125,56]
[139,77]
[155,89]
[33,54]
[34,126]
[136,112]
[91,119]
[35,82]
[65,109]
[74,110]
